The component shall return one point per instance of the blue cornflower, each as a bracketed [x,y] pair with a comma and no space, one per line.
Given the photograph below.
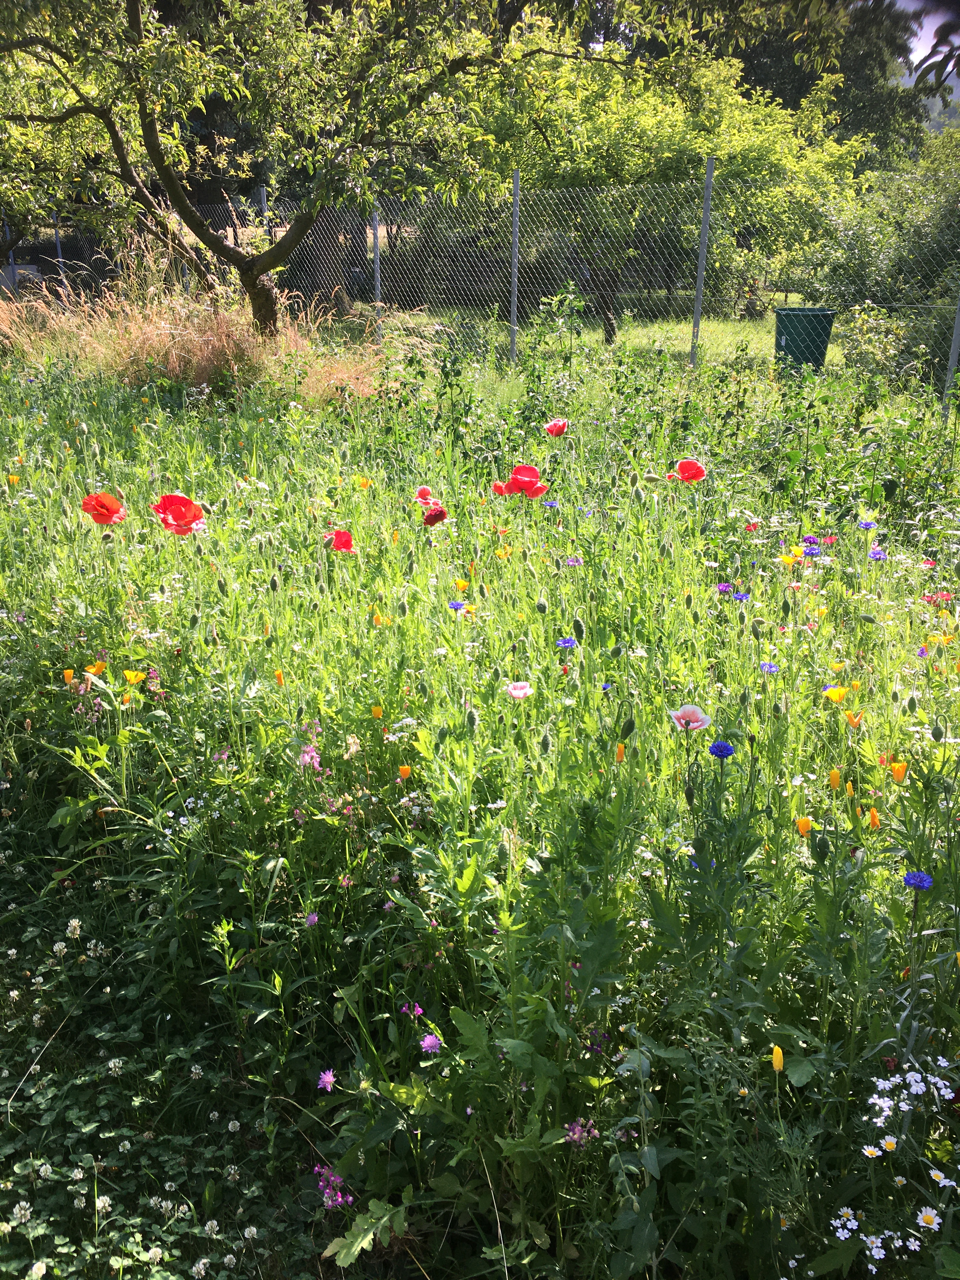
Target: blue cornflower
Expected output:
[574,560]
[720,750]
[811,551]
[567,642]
[922,651]
[457,605]
[769,668]
[724,588]
[877,553]
[867,524]
[918,880]
[551,504]
[605,687]
[741,595]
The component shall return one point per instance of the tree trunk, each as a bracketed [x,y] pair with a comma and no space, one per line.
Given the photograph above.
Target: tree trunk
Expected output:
[262,293]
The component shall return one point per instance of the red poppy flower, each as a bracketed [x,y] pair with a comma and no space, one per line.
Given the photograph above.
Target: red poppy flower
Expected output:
[179,514]
[104,508]
[434,516]
[339,540]
[929,564]
[523,480]
[752,527]
[424,496]
[557,427]
[537,490]
[499,488]
[829,540]
[690,470]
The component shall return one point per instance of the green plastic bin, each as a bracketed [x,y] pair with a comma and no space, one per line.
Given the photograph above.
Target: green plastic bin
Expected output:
[803,334]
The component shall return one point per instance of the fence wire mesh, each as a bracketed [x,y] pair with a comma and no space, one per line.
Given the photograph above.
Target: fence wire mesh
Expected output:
[886,259]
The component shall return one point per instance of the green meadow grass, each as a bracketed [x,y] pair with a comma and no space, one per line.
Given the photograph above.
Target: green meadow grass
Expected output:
[270,812]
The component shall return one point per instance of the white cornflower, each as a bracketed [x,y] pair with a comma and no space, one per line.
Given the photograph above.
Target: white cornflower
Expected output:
[124,1146]
[115,1066]
[234,1126]
[913,1243]
[22,1213]
[103,1204]
[73,928]
[154,1255]
[928,1217]
[229,1261]
[250,1233]
[212,1227]
[196,1072]
[45,1171]
[871,1152]
[59,949]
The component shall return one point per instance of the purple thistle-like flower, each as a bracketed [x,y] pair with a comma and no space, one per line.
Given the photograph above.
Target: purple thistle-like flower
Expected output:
[312,919]
[457,605]
[327,1081]
[431,1043]
[574,561]
[922,651]
[330,1184]
[918,880]
[810,541]
[724,588]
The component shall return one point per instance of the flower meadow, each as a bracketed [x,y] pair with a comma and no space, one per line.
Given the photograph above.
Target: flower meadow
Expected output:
[488,827]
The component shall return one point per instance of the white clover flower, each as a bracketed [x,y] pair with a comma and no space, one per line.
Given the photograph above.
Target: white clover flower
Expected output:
[115,1066]
[183,1211]
[196,1072]
[166,1207]
[124,1146]
[212,1227]
[13,996]
[169,1186]
[22,1213]
[59,949]
[214,1116]
[229,1261]
[73,928]
[250,1233]
[103,1204]
[12,953]
[154,1202]
[200,1268]
[77,1175]
[154,1255]
[232,1172]
[37,1271]
[234,1126]
[929,1218]
[5,1229]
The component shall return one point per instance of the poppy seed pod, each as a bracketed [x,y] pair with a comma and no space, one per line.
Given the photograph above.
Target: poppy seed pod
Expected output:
[911,704]
[579,630]
[541,606]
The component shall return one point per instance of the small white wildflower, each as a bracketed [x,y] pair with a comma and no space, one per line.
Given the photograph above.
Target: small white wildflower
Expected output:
[200,1268]
[124,1146]
[234,1126]
[73,928]
[154,1255]
[169,1186]
[13,996]
[77,1175]
[166,1207]
[929,1218]
[5,1229]
[900,1180]
[12,953]
[59,949]
[196,1072]
[103,1204]
[871,1152]
[22,1213]
[214,1115]
[212,1227]
[183,1211]
[154,1202]
[232,1172]
[913,1243]
[115,1066]
[37,1271]
[45,1171]
[229,1261]
[250,1233]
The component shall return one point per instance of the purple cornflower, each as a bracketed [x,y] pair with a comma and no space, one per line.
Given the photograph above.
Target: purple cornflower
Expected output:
[769,668]
[327,1081]
[551,504]
[724,588]
[918,880]
[877,553]
[457,605]
[311,919]
[811,551]
[567,642]
[867,524]
[922,651]
[720,750]
[329,1183]
[580,1131]
[431,1043]
[574,561]
[741,595]
[810,541]
[605,687]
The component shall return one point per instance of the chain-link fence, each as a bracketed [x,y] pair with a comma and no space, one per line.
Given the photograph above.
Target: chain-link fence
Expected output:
[887,259]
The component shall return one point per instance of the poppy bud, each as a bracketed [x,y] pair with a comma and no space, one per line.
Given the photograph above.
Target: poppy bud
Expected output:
[664,552]
[496,675]
[525,555]
[546,746]
[206,508]
[484,593]
[777,1058]
[541,606]
[744,696]
[894,696]
[695,616]
[776,709]
[106,537]
[752,740]
[274,584]
[688,600]
[321,587]
[442,733]
[345,454]
[867,617]
[741,617]
[592,597]
[911,704]
[634,479]
[605,574]
[688,794]
[402,609]
[628,727]
[194,620]
[579,630]
[473,720]
[936,733]
[586,889]
[785,608]
[822,846]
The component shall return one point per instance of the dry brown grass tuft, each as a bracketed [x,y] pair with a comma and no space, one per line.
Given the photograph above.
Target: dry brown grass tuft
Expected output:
[166,333]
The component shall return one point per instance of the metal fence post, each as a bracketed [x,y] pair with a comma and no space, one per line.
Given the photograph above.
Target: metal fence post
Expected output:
[56,241]
[948,392]
[702,260]
[514,265]
[13,265]
[376,272]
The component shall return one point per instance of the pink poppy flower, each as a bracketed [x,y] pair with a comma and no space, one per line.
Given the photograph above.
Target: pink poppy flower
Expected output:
[689,716]
[519,689]
[425,497]
[557,427]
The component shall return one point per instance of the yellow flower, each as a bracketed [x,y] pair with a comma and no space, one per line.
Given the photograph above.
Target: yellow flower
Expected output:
[874,820]
[502,552]
[461,584]
[789,561]
[822,612]
[68,675]
[804,825]
[797,551]
[13,479]
[134,677]
[395,536]
[126,697]
[854,685]
[376,712]
[363,482]
[854,718]
[834,778]
[899,770]
[97,669]
[377,619]
[777,1058]
[404,771]
[836,693]
[837,666]
[850,790]
[743,1092]
[278,676]
[621,751]
[266,628]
